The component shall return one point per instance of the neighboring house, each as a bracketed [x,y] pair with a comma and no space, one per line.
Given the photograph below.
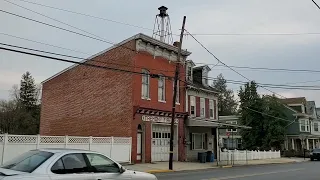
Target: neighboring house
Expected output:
[230,138]
[202,106]
[87,101]
[302,131]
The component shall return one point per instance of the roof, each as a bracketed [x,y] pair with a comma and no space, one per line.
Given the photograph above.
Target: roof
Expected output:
[200,86]
[135,37]
[201,67]
[296,100]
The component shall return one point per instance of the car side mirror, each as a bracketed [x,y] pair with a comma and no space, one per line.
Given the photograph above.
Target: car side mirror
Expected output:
[122,169]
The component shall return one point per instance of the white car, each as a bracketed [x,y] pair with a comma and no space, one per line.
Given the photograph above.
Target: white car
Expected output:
[66,164]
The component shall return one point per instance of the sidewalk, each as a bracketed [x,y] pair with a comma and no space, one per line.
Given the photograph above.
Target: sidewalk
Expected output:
[184,166]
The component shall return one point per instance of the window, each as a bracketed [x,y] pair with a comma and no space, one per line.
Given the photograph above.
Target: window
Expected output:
[71,163]
[230,143]
[202,107]
[232,129]
[315,126]
[178,92]
[192,106]
[28,161]
[189,71]
[161,88]
[102,164]
[211,109]
[304,125]
[198,142]
[145,84]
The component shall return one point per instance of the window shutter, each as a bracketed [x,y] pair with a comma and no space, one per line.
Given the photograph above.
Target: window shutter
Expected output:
[197,106]
[205,141]
[215,109]
[207,108]
[191,141]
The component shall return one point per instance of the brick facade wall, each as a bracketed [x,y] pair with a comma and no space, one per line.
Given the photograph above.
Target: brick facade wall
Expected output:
[87,101]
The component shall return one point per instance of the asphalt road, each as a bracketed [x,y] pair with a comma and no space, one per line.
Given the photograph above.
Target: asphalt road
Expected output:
[309,170]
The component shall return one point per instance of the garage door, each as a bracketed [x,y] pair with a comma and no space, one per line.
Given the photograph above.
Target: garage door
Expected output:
[160,142]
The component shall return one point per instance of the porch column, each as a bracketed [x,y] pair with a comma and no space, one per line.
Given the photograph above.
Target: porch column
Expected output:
[307,144]
[313,144]
[292,142]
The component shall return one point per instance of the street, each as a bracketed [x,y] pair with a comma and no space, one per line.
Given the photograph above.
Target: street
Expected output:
[298,171]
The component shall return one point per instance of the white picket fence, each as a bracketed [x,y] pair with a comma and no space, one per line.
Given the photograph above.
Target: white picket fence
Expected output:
[248,155]
[117,148]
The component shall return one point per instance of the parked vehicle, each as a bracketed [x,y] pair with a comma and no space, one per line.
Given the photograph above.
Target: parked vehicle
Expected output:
[315,154]
[69,164]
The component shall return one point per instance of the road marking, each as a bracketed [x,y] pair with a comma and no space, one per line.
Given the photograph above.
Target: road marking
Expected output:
[255,174]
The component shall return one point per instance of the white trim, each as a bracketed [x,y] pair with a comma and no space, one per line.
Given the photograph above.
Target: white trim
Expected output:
[146,75]
[203,107]
[162,101]
[232,130]
[202,142]
[195,106]
[306,124]
[211,108]
[162,78]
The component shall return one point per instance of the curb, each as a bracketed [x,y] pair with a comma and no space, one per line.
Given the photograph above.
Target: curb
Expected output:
[159,171]
[229,166]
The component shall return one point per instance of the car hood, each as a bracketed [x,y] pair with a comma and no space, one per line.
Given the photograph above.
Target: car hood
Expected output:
[141,175]
[9,172]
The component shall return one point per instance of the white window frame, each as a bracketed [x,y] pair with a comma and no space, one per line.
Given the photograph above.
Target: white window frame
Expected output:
[202,140]
[211,107]
[193,103]
[316,124]
[178,92]
[306,124]
[202,107]
[233,129]
[145,81]
[162,97]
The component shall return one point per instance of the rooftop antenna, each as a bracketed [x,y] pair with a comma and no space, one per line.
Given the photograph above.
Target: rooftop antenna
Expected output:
[162,26]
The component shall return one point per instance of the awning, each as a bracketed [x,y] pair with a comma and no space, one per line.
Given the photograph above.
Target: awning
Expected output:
[211,123]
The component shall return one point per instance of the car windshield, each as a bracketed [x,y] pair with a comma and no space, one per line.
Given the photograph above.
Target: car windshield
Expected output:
[316,150]
[28,161]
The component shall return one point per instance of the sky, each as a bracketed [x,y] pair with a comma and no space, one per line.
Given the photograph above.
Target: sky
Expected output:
[203,17]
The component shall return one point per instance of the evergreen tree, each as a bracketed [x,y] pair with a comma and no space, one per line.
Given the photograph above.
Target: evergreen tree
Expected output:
[226,103]
[28,92]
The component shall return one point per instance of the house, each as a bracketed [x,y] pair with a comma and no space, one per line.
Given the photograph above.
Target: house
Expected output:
[86,101]
[230,138]
[302,132]
[203,122]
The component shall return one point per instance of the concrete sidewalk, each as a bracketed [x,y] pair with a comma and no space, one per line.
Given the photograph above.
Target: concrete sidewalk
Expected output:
[185,166]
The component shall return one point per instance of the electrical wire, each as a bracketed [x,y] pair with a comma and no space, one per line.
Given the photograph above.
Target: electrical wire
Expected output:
[80,63]
[88,15]
[53,19]
[268,69]
[57,27]
[227,65]
[46,44]
[316,4]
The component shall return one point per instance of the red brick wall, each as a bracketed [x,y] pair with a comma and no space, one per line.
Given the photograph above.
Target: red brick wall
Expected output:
[88,101]
[157,65]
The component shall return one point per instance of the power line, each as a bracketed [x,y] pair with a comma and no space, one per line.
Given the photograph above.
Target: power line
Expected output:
[75,57]
[226,64]
[46,44]
[80,63]
[254,34]
[87,15]
[53,19]
[269,69]
[316,4]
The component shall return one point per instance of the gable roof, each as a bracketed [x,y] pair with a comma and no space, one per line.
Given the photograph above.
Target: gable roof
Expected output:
[135,37]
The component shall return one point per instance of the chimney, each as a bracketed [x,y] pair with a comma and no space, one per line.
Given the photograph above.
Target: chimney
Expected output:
[176,43]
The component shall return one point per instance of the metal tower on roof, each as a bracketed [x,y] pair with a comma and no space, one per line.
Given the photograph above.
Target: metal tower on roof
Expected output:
[162,26]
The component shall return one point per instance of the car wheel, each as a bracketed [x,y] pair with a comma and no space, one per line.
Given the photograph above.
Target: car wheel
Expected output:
[311,159]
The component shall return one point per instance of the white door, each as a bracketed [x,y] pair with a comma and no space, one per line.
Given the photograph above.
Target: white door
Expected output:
[160,147]
[139,145]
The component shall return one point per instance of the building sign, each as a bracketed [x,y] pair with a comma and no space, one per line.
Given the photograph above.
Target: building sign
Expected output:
[158,119]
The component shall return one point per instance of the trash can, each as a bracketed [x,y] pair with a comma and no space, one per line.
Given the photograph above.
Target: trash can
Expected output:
[210,156]
[203,157]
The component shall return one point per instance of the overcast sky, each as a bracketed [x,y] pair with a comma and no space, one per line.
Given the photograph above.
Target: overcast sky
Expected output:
[205,16]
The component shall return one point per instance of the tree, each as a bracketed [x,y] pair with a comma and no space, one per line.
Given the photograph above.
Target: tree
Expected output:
[28,91]
[226,103]
[258,112]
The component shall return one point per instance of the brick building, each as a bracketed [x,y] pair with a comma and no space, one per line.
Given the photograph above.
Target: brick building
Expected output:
[87,101]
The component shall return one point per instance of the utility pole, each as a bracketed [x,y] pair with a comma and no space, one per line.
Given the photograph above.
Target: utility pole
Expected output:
[176,77]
